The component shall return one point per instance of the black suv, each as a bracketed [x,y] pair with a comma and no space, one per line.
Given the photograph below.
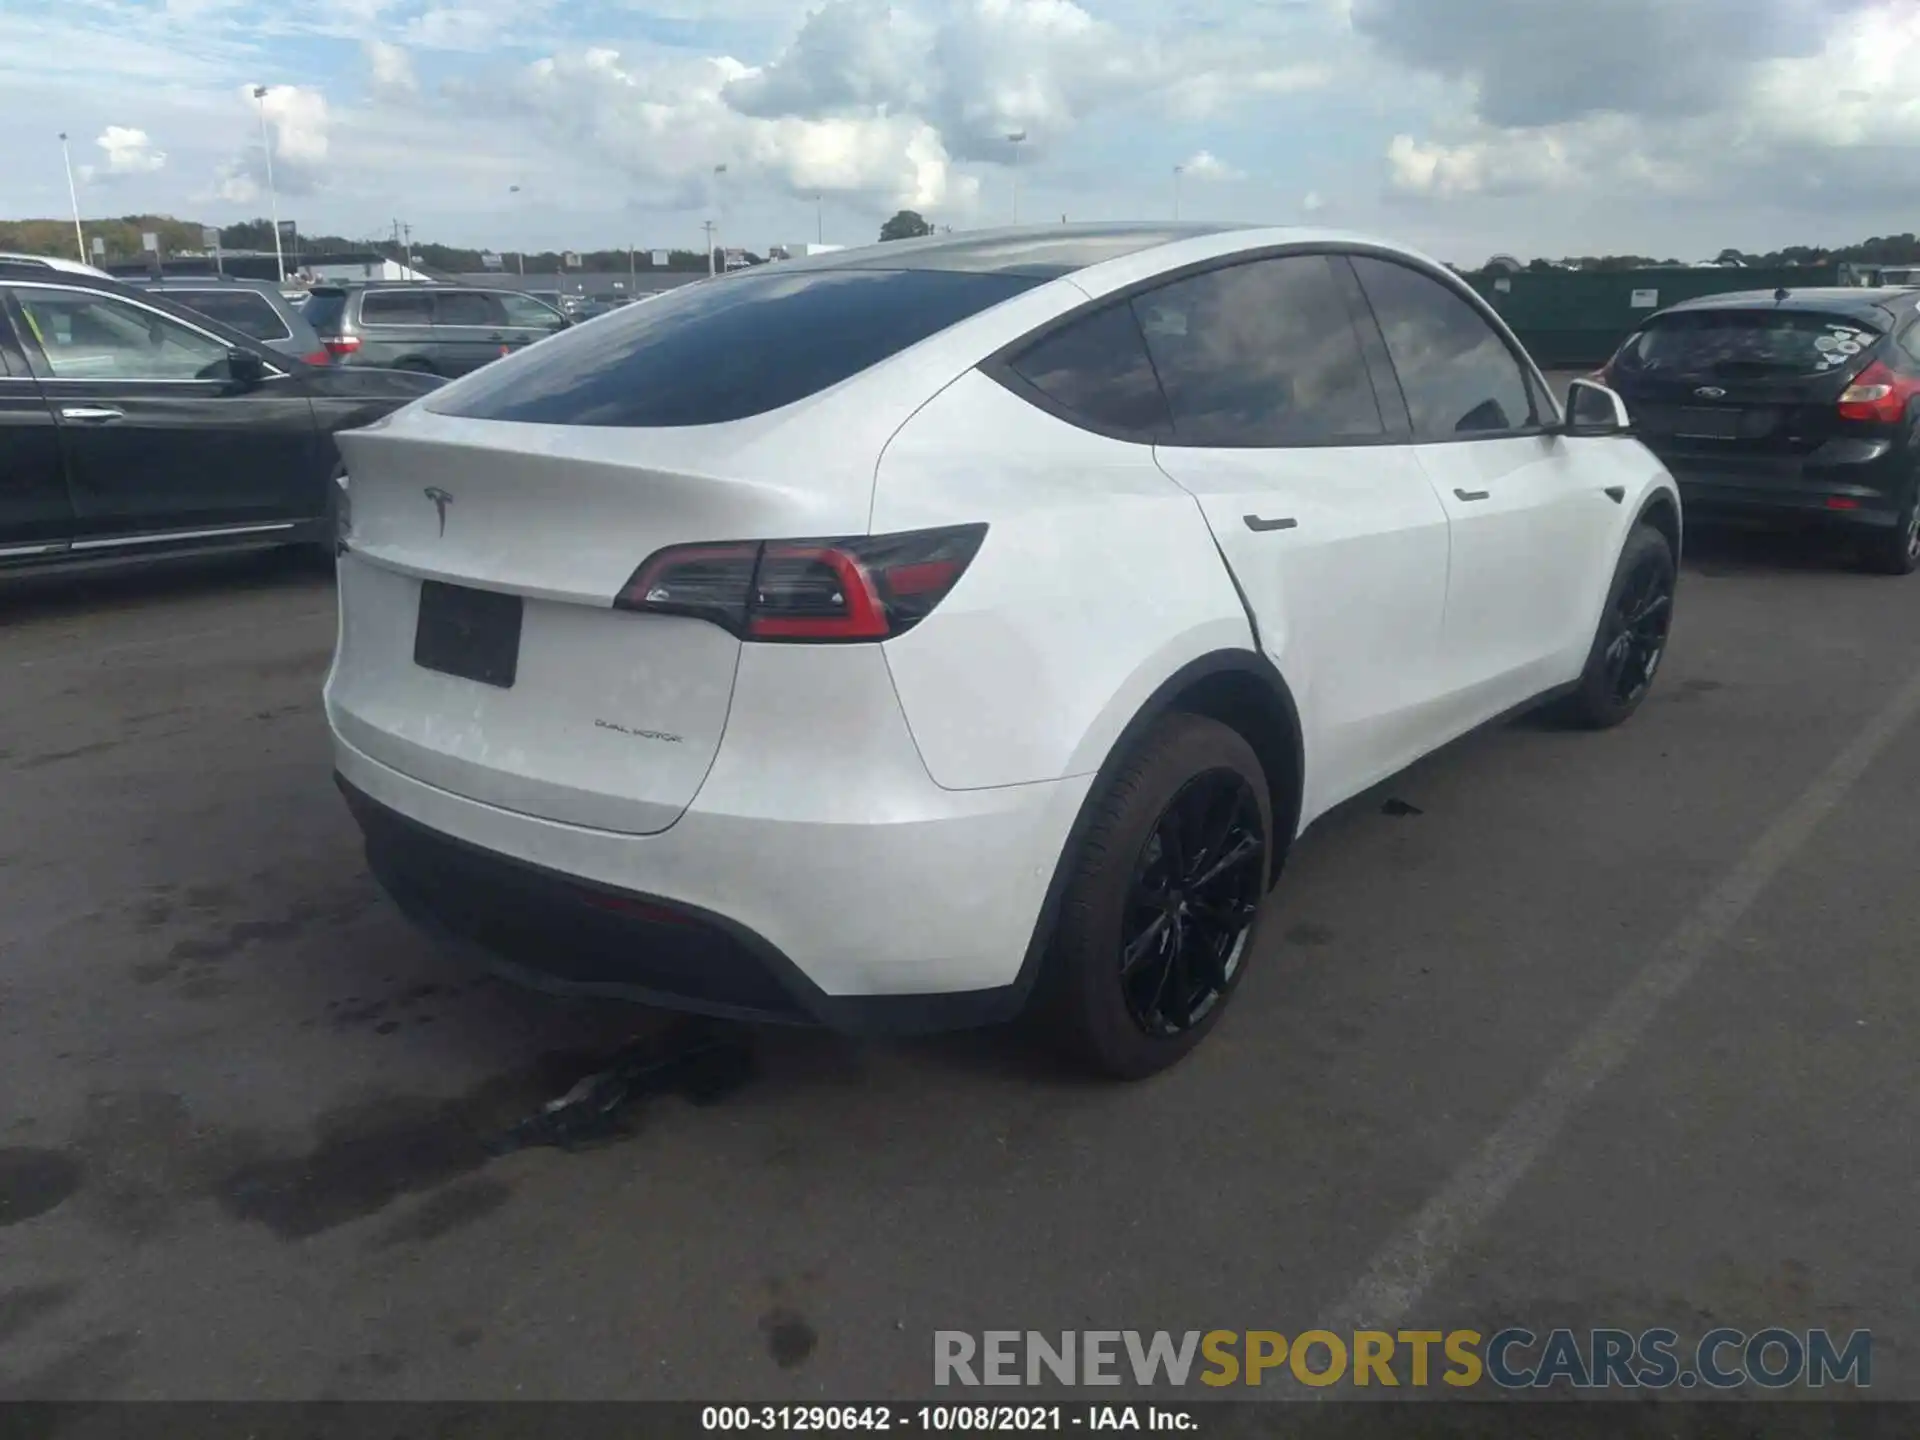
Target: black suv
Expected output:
[415,325]
[132,426]
[1787,405]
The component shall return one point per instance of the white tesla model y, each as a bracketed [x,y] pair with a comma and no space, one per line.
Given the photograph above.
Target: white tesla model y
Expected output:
[903,638]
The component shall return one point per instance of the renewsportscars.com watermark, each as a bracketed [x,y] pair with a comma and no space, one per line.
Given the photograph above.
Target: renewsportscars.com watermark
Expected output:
[1511,1359]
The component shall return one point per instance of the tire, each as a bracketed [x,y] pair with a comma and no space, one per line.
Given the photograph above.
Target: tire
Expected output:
[1117,1024]
[1632,635]
[1896,551]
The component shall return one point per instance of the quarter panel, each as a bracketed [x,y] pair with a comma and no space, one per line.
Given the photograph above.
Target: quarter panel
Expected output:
[1098,579]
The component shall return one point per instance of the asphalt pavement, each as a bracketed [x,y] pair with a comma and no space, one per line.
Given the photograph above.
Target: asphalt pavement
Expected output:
[1555,1029]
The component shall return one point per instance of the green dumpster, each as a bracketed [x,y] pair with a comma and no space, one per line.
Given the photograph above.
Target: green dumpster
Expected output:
[1569,319]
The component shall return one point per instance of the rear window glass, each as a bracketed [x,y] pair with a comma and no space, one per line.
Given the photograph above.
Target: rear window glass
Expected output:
[397,307]
[324,309]
[247,311]
[722,350]
[1737,343]
[1097,371]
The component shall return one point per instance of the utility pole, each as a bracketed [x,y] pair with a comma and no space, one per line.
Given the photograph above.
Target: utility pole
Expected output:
[707,226]
[406,232]
[819,222]
[633,272]
[1178,170]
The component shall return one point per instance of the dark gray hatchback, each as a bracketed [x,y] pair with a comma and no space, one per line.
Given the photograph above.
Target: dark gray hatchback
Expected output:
[1799,406]
[436,329]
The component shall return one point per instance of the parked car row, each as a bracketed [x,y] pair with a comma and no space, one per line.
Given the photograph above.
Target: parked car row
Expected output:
[912,637]
[133,426]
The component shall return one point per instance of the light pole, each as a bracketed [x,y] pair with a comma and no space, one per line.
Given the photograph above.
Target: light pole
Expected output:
[1178,170]
[273,199]
[819,221]
[719,205]
[1015,140]
[519,256]
[73,197]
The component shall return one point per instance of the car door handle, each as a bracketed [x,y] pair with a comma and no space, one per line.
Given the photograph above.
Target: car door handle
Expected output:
[1472,494]
[1255,522]
[92,414]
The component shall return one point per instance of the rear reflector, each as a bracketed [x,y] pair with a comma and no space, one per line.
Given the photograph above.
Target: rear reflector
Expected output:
[870,587]
[319,357]
[638,909]
[342,344]
[1839,502]
[1878,396]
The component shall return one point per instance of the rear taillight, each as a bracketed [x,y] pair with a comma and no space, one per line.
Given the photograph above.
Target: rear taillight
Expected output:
[342,344]
[1878,396]
[321,356]
[868,588]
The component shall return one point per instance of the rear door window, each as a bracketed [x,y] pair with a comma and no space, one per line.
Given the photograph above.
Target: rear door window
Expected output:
[1746,345]
[528,313]
[396,307]
[725,349]
[247,311]
[467,307]
[1095,373]
[1260,354]
[1460,378]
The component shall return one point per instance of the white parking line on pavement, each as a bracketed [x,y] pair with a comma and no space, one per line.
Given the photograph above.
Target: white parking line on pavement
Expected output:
[1403,1270]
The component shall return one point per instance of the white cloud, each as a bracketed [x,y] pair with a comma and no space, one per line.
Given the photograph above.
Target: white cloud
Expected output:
[1313,202]
[390,70]
[128,152]
[883,103]
[1814,125]
[297,122]
[670,124]
[1205,165]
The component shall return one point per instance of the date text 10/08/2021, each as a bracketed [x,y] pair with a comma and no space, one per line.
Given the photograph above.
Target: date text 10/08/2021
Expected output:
[941,1419]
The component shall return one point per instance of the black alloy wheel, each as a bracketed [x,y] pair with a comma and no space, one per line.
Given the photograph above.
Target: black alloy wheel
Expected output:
[1631,638]
[1196,891]
[1159,920]
[1642,613]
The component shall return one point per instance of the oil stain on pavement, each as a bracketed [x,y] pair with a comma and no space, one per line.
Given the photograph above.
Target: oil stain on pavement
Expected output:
[34,1181]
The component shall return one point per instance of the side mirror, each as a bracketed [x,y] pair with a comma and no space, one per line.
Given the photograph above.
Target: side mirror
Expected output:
[1593,409]
[244,368]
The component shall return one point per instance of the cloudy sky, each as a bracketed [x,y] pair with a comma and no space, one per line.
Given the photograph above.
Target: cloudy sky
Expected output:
[1466,126]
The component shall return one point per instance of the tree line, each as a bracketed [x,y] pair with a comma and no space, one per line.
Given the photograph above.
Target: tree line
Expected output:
[123,242]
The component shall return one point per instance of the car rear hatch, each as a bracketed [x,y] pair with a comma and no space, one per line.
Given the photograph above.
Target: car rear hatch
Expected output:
[480,650]
[326,311]
[1754,390]
[492,529]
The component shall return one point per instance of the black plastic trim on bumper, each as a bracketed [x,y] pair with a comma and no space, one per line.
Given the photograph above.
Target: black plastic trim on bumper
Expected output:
[1706,499]
[564,935]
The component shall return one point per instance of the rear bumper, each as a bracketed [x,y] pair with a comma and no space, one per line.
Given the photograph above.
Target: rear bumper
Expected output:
[869,929]
[1868,494]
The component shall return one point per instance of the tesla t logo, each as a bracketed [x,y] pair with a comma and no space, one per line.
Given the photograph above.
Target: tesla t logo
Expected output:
[1711,392]
[441,499]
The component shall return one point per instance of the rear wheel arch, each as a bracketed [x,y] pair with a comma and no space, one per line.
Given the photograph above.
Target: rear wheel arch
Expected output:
[1662,512]
[1244,691]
